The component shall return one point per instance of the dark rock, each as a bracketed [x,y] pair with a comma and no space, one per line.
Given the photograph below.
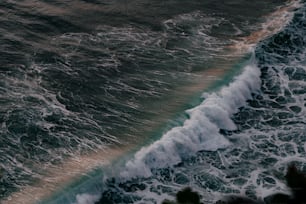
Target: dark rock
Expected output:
[296,181]
[187,196]
[278,198]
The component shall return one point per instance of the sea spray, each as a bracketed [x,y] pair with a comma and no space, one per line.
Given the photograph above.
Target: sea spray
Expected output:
[202,130]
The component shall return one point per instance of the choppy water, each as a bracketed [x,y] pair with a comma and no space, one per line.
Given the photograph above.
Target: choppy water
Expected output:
[80,79]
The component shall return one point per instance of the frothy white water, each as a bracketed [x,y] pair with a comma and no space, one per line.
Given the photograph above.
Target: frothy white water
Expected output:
[86,199]
[273,24]
[202,130]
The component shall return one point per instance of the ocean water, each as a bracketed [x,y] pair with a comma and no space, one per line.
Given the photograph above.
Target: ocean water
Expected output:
[130,101]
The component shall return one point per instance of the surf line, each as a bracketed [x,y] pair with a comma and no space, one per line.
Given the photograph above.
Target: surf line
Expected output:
[201,130]
[59,176]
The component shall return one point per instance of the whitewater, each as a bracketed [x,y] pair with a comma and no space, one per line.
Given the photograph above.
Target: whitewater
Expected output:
[214,146]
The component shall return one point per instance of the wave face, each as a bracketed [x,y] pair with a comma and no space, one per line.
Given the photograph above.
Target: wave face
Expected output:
[201,131]
[82,79]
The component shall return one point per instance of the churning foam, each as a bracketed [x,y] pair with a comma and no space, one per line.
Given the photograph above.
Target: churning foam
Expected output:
[273,24]
[201,130]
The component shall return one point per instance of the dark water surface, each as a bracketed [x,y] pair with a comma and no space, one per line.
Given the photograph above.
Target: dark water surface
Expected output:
[80,76]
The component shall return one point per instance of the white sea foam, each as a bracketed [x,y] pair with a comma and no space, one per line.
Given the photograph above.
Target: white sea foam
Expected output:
[86,198]
[201,130]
